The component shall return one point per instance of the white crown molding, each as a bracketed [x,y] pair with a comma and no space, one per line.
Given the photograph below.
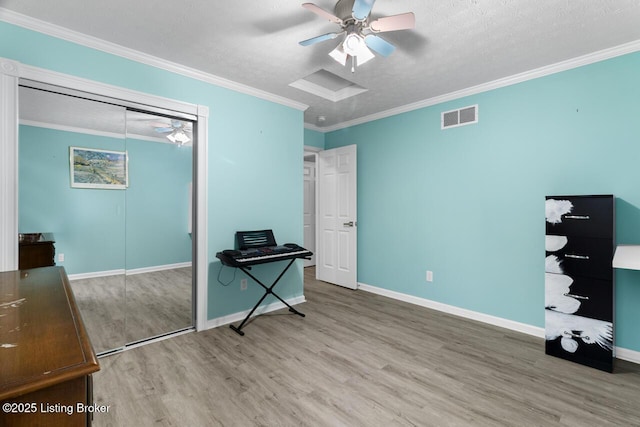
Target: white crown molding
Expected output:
[314,127]
[311,149]
[112,48]
[97,89]
[95,43]
[569,64]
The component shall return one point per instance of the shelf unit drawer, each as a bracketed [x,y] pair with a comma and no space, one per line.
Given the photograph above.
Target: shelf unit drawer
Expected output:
[589,297]
[582,257]
[589,216]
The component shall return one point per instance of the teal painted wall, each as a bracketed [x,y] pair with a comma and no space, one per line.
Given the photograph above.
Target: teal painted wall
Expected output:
[255,183]
[255,152]
[88,224]
[468,202]
[102,230]
[157,204]
[313,138]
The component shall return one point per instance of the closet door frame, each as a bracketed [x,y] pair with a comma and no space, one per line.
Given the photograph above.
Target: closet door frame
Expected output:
[10,74]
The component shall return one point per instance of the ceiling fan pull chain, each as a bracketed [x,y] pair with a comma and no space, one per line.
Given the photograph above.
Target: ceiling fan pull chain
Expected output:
[353,64]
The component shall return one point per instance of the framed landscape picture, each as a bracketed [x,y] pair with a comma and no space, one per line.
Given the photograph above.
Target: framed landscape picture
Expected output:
[91,168]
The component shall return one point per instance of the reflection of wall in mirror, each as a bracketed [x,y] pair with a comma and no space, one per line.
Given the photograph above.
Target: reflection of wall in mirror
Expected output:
[89,224]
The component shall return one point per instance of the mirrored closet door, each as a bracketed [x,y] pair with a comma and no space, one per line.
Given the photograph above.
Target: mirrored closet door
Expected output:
[158,226]
[110,184]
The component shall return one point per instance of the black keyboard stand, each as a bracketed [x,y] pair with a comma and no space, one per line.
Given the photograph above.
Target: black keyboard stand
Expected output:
[268,291]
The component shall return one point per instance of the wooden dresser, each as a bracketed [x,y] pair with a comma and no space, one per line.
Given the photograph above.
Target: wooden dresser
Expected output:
[36,250]
[46,358]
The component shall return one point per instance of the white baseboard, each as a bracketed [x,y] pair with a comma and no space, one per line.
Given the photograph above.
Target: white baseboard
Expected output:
[94,274]
[628,355]
[235,317]
[621,353]
[158,268]
[457,311]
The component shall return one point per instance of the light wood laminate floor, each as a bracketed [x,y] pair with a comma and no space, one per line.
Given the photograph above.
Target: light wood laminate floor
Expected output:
[359,359]
[118,310]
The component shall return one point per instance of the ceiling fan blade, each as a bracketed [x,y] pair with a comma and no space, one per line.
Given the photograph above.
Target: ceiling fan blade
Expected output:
[164,130]
[378,44]
[362,9]
[319,39]
[322,13]
[404,21]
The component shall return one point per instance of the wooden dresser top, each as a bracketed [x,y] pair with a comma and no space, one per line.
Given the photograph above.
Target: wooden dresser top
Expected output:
[42,338]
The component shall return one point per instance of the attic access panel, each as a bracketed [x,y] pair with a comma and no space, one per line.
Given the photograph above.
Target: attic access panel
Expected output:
[329,86]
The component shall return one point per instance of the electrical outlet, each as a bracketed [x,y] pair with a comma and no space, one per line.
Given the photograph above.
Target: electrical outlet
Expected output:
[60,257]
[243,284]
[429,276]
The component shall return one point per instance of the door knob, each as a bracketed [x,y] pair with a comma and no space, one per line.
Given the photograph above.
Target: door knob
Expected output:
[348,224]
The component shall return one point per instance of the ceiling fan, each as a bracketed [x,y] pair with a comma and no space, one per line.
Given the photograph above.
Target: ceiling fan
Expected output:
[177,131]
[360,33]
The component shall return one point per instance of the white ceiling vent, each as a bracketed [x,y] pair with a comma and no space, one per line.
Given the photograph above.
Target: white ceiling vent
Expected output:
[460,117]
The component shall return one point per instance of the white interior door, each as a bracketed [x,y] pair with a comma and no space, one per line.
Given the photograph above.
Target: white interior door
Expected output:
[310,211]
[337,217]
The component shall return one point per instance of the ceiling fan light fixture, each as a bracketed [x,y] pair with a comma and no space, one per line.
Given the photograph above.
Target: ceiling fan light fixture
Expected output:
[179,137]
[360,43]
[353,44]
[339,55]
[364,55]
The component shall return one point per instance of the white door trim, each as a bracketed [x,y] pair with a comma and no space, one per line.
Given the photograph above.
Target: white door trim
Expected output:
[310,150]
[309,235]
[10,73]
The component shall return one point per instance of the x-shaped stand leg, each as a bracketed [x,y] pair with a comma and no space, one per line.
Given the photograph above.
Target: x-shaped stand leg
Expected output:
[268,291]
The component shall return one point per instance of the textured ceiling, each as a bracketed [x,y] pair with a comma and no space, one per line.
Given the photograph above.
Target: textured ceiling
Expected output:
[456,44]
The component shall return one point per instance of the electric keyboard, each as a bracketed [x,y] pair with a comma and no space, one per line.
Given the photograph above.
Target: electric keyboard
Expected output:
[260,247]
[262,255]
[273,256]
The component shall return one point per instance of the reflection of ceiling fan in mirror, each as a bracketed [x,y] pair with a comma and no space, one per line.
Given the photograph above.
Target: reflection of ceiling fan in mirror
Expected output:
[176,131]
[360,32]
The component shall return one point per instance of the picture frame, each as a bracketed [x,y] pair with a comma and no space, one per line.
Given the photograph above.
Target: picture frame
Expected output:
[100,169]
